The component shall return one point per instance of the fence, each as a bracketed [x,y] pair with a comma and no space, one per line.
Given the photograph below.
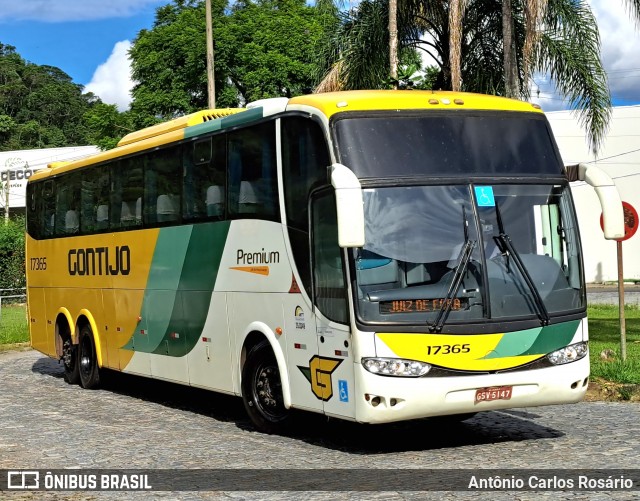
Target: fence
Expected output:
[4,296]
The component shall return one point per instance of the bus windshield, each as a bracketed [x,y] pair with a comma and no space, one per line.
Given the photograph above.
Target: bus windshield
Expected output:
[482,252]
[447,144]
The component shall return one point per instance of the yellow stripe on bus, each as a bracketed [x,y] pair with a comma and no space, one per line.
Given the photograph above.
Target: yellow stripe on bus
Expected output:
[460,352]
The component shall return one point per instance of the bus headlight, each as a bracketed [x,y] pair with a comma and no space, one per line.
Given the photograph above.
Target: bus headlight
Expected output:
[568,354]
[396,367]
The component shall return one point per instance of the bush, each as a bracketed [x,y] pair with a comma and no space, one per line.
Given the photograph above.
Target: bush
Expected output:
[12,271]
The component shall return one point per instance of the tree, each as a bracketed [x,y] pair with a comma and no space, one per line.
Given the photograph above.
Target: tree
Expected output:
[39,105]
[106,125]
[456,11]
[560,38]
[264,48]
[268,48]
[168,63]
[354,52]
[511,84]
[12,272]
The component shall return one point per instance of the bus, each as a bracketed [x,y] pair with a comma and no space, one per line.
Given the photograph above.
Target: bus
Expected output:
[373,256]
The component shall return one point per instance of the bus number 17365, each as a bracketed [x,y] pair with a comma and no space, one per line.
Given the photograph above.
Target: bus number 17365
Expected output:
[447,349]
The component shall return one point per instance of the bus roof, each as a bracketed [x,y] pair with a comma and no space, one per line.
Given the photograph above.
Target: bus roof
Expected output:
[177,124]
[331,103]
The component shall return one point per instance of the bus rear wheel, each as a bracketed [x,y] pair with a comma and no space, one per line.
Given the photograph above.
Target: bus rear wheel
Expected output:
[87,359]
[70,361]
[262,390]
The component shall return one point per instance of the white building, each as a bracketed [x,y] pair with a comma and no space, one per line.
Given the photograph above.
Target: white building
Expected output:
[620,158]
[17,166]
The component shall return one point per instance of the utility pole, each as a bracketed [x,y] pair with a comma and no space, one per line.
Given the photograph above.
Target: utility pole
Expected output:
[211,86]
[393,42]
[6,200]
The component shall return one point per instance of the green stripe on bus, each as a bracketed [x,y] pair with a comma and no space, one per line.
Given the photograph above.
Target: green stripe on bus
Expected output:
[538,341]
[553,337]
[242,118]
[160,291]
[176,301]
[224,123]
[203,128]
[197,282]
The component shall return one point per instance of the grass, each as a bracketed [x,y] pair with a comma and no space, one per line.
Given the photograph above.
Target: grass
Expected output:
[13,325]
[604,334]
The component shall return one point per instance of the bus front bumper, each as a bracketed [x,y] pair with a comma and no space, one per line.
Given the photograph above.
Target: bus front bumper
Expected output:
[383,399]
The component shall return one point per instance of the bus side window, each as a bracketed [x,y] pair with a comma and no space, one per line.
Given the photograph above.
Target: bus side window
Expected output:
[328,274]
[115,196]
[34,216]
[305,158]
[67,205]
[102,208]
[129,203]
[204,178]
[253,182]
[48,214]
[94,200]
[163,182]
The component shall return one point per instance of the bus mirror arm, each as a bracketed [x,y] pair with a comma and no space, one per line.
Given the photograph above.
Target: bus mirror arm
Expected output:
[613,215]
[349,206]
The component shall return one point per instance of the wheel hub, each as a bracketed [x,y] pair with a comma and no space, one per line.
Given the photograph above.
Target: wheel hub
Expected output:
[264,386]
[67,353]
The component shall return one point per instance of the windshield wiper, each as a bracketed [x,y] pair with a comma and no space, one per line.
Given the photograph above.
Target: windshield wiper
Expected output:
[506,248]
[456,281]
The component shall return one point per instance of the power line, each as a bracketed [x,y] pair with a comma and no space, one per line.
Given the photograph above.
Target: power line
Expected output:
[613,156]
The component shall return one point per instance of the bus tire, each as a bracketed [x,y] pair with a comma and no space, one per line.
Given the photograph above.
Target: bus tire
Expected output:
[87,360]
[70,361]
[262,390]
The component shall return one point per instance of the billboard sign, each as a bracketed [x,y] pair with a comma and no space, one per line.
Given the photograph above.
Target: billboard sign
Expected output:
[16,167]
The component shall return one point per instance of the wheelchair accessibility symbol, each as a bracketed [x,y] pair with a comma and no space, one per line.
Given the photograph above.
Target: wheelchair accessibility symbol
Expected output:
[343,390]
[484,196]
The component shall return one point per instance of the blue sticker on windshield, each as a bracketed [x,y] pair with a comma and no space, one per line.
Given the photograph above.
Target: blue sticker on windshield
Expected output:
[484,196]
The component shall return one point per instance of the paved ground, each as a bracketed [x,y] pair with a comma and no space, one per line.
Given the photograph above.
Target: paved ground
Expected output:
[608,294]
[139,423]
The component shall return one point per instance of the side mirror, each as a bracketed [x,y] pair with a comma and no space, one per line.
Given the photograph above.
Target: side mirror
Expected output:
[612,213]
[349,206]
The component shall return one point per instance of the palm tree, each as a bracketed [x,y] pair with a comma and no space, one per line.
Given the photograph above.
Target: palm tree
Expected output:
[469,40]
[456,13]
[511,84]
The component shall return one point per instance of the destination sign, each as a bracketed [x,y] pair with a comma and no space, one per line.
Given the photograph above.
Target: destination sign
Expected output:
[422,305]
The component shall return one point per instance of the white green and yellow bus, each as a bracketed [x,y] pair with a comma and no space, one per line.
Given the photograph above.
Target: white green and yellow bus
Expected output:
[371,255]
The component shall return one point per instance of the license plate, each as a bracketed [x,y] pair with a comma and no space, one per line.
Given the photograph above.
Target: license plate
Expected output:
[493,393]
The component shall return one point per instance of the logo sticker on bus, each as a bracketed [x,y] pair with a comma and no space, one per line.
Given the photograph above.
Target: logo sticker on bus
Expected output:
[299,314]
[319,375]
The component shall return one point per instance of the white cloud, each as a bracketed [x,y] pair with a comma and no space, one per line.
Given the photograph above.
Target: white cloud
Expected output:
[71,10]
[112,80]
[620,41]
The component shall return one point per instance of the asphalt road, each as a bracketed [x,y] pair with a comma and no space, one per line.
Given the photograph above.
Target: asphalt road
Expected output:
[138,423]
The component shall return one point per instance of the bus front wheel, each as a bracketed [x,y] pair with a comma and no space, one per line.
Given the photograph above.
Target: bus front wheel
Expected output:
[262,390]
[87,359]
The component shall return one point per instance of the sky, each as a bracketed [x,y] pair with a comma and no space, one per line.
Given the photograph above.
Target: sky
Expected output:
[89,40]
[620,52]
